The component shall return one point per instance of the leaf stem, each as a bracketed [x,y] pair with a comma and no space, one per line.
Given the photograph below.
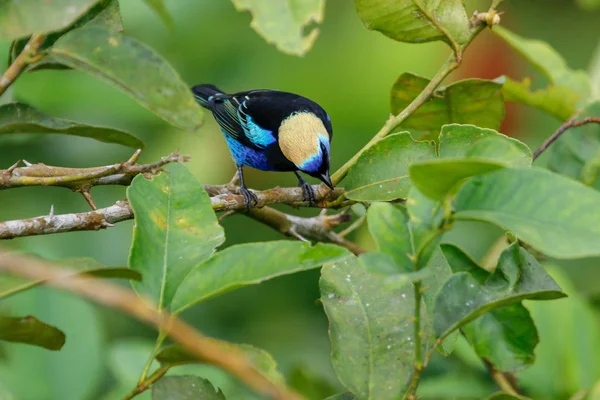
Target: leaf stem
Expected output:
[29,53]
[159,341]
[146,383]
[572,123]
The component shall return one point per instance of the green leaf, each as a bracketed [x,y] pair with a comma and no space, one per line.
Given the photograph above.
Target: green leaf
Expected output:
[381,172]
[505,336]
[282,23]
[577,153]
[540,207]
[388,226]
[505,396]
[11,285]
[24,18]
[105,14]
[308,382]
[460,261]
[175,230]
[416,21]
[262,360]
[371,330]
[185,387]
[21,118]
[342,396]
[594,73]
[468,140]
[558,101]
[462,299]
[31,331]
[250,264]
[158,6]
[437,178]
[548,61]
[132,67]
[471,101]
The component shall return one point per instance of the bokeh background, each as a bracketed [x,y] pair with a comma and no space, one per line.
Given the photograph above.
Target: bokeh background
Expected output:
[349,72]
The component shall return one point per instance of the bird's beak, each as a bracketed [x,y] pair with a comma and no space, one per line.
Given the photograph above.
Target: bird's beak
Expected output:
[326,179]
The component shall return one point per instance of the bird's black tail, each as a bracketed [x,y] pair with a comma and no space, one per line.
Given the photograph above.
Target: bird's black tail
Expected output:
[203,94]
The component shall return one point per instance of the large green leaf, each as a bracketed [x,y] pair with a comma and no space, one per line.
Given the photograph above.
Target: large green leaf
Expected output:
[185,387]
[31,331]
[381,172]
[463,298]
[472,101]
[577,153]
[388,226]
[23,18]
[542,208]
[548,61]
[132,67]
[371,330]
[416,21]
[250,264]
[105,14]
[11,285]
[469,140]
[558,101]
[21,118]
[175,230]
[283,22]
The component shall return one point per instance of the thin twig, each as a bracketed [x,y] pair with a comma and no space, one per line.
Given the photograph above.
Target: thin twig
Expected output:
[319,228]
[207,349]
[504,380]
[572,123]
[23,59]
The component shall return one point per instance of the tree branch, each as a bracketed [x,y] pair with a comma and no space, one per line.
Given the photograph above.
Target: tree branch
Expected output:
[23,59]
[319,228]
[207,349]
[572,123]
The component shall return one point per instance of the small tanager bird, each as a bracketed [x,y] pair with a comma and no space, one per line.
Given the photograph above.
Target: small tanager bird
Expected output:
[272,131]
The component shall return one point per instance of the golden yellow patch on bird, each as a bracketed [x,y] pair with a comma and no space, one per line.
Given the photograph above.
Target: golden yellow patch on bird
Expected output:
[298,138]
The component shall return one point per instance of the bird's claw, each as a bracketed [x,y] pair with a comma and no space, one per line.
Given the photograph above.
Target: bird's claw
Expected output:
[251,199]
[308,193]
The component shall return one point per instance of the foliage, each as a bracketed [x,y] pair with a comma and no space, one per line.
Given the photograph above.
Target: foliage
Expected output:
[412,297]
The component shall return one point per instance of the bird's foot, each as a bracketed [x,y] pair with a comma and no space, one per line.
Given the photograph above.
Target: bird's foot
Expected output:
[251,199]
[308,193]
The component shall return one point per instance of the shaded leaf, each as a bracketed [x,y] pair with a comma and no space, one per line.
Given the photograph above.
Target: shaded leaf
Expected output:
[105,14]
[31,331]
[176,229]
[310,383]
[342,396]
[437,178]
[261,359]
[21,118]
[371,330]
[282,23]
[594,72]
[185,387]
[548,61]
[505,336]
[471,101]
[558,101]
[250,264]
[388,226]
[159,8]
[132,67]
[24,18]
[416,21]
[577,153]
[11,285]
[462,299]
[505,396]
[381,172]
[569,331]
[540,207]
[460,261]
[468,140]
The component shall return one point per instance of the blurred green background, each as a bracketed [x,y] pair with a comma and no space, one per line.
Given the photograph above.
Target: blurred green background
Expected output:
[349,72]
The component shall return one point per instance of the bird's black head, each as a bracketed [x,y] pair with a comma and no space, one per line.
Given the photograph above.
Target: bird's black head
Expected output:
[322,171]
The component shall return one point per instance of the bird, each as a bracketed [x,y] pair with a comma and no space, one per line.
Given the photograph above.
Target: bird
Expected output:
[272,130]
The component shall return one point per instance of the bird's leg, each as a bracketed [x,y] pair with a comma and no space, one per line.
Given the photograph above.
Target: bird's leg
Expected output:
[307,190]
[248,195]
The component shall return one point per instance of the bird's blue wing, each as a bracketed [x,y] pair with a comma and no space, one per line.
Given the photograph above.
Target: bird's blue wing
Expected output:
[233,116]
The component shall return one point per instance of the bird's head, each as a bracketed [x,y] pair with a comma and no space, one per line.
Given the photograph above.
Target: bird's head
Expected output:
[304,140]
